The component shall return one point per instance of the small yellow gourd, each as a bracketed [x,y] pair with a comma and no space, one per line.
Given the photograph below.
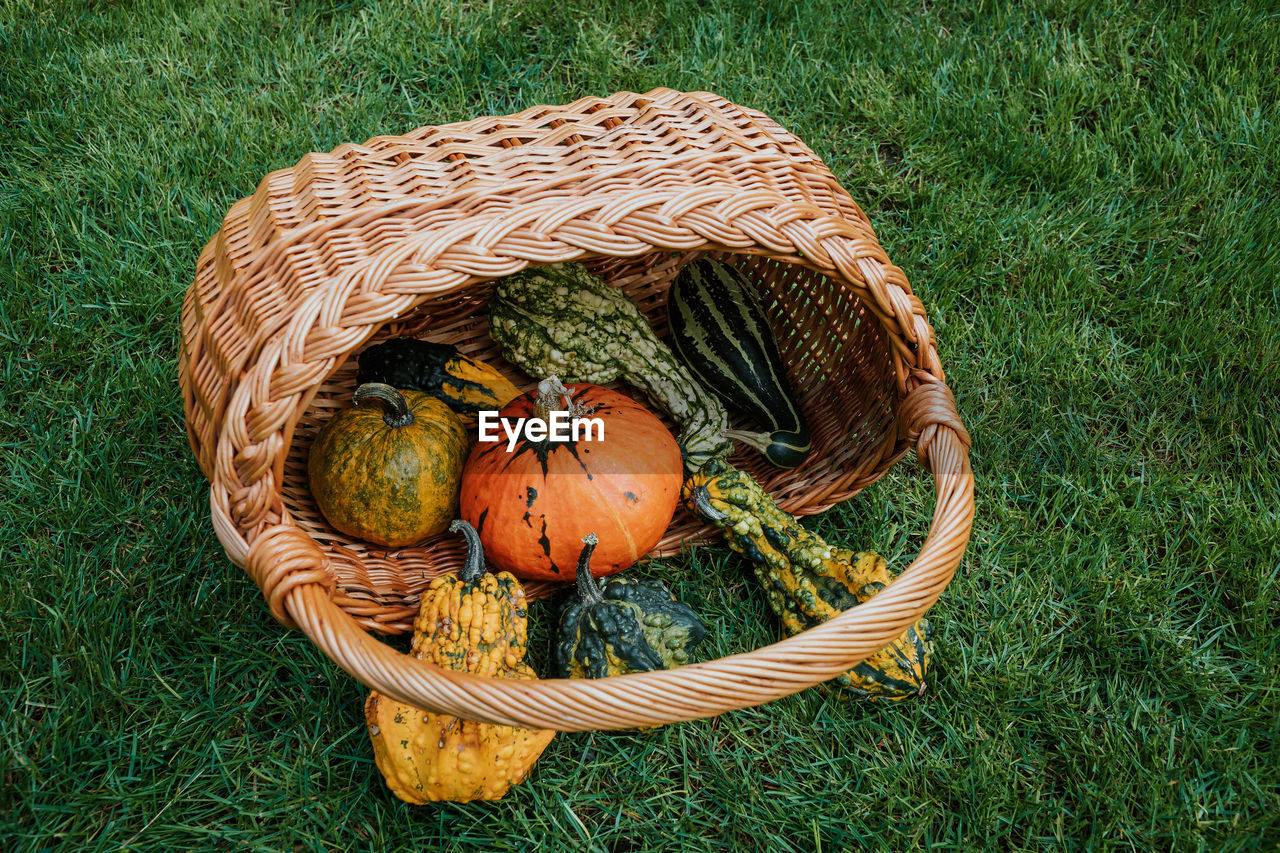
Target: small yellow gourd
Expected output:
[474,622]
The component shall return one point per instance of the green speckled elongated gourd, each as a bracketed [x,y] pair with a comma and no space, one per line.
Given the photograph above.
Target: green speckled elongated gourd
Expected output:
[561,320]
[719,331]
[805,580]
[623,625]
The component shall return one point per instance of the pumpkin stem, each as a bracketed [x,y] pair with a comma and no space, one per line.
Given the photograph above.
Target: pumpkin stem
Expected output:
[554,397]
[395,411]
[702,502]
[473,566]
[588,589]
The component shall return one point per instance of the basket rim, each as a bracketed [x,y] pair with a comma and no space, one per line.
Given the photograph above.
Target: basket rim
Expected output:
[689,692]
[293,337]
[257,425]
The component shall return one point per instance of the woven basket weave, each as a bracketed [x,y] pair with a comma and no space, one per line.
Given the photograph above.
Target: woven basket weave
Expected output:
[405,235]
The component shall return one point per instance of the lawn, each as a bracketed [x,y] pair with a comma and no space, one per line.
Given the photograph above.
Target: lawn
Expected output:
[1086,200]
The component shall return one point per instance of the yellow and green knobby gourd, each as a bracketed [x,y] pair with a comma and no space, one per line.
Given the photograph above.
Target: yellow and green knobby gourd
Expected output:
[561,320]
[719,331]
[464,384]
[473,622]
[623,625]
[806,581]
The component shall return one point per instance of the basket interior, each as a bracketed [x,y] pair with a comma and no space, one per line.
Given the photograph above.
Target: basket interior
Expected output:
[837,362]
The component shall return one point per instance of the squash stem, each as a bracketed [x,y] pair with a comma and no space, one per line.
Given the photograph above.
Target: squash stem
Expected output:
[702,502]
[759,440]
[588,589]
[473,566]
[395,410]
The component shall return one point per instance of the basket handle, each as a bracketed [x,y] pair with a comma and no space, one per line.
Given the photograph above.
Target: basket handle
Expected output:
[293,573]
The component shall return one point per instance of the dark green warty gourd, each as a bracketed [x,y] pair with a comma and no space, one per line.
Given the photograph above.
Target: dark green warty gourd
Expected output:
[719,332]
[561,320]
[623,625]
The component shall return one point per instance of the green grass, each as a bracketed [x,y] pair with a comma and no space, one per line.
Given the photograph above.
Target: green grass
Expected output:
[1085,198]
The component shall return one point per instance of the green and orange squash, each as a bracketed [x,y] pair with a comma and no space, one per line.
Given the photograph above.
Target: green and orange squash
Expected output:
[387,470]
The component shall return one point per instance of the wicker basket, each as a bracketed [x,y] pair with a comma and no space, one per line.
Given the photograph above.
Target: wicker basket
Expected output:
[405,235]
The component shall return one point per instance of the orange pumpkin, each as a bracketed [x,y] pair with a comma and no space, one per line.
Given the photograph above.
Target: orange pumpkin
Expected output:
[533,500]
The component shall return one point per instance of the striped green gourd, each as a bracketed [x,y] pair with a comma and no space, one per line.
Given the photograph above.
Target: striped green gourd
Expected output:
[561,320]
[719,332]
